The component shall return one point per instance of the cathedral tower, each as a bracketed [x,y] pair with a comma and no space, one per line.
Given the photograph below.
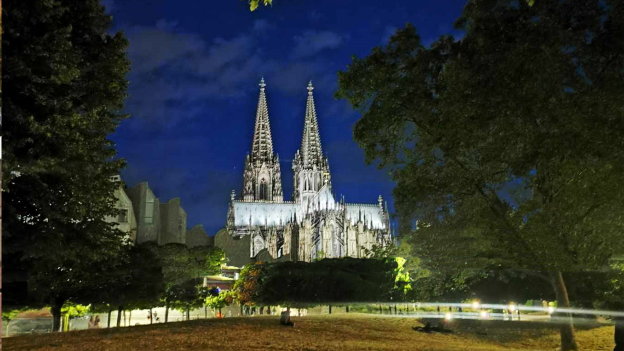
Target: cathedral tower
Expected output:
[262,180]
[310,168]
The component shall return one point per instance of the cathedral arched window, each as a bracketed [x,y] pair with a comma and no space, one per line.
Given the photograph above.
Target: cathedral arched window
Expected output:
[264,191]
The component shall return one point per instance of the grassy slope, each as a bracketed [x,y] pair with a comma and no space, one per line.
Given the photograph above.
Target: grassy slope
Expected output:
[337,332]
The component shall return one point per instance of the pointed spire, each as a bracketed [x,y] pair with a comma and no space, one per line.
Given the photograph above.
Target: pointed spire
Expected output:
[262,147]
[311,151]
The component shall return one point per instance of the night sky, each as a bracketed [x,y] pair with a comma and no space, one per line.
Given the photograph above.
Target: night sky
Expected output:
[194,89]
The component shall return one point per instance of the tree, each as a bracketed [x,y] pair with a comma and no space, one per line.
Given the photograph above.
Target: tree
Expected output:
[311,283]
[207,260]
[220,299]
[253,4]
[135,282]
[507,144]
[63,87]
[183,267]
[613,298]
[72,310]
[247,286]
[181,263]
[402,280]
[183,296]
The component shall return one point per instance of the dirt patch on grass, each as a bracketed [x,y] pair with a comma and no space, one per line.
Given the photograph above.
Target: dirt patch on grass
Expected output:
[344,333]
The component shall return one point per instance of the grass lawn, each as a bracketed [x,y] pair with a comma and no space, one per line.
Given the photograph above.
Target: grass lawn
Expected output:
[336,332]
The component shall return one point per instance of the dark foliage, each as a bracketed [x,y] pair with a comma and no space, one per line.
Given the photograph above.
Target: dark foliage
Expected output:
[63,87]
[319,282]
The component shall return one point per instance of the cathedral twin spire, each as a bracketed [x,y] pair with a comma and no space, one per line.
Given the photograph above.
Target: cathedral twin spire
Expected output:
[311,152]
[262,180]
[262,147]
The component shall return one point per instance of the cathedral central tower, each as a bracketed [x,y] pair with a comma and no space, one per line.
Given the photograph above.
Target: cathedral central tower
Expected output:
[262,180]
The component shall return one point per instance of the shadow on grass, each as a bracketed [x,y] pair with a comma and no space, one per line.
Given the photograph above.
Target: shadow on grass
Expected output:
[508,331]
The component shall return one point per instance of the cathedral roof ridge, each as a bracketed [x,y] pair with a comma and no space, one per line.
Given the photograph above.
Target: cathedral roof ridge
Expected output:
[262,202]
[361,204]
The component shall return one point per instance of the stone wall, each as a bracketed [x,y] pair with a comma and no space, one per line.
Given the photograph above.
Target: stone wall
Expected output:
[125,220]
[172,223]
[149,220]
[147,211]
[197,236]
[236,249]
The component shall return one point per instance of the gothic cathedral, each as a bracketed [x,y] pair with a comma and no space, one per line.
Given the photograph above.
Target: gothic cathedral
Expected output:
[314,225]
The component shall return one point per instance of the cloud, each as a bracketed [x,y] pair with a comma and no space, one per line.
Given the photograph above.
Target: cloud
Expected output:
[311,43]
[293,78]
[153,47]
[260,26]
[172,70]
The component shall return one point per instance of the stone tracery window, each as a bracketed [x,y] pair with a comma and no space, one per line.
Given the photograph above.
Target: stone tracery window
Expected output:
[258,245]
[122,217]
[149,211]
[263,190]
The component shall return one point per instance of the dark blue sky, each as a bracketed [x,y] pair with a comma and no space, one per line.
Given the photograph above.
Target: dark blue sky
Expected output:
[193,89]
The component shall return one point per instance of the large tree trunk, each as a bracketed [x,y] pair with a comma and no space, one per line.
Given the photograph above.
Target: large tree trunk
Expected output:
[55,309]
[119,309]
[109,318]
[188,314]
[619,334]
[166,312]
[330,309]
[151,316]
[566,330]
[130,317]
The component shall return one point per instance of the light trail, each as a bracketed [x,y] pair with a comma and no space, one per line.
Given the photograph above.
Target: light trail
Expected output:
[549,310]
[478,310]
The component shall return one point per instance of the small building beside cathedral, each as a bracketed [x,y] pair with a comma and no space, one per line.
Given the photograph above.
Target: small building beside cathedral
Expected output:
[314,224]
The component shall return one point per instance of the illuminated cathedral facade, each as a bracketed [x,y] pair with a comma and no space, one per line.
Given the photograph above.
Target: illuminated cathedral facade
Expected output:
[314,224]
